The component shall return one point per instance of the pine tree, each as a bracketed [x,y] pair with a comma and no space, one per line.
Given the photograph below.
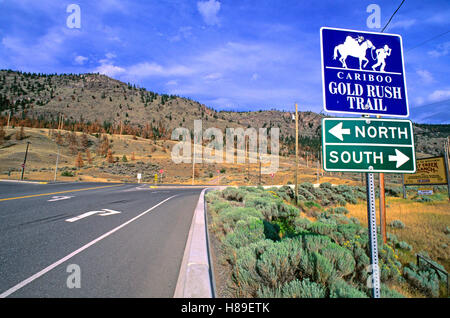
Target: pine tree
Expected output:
[103,147]
[20,134]
[84,141]
[58,138]
[109,157]
[88,156]
[79,161]
[2,135]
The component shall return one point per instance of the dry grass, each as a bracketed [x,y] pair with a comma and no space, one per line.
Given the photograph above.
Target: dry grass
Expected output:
[424,225]
[43,150]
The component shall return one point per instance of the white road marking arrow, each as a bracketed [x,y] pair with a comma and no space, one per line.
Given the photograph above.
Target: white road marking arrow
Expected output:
[58,198]
[109,212]
[338,131]
[103,212]
[400,157]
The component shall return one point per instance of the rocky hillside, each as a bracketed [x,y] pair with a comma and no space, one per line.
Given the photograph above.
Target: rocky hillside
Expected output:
[89,98]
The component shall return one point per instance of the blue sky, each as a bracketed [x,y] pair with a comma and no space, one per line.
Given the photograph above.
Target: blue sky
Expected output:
[227,54]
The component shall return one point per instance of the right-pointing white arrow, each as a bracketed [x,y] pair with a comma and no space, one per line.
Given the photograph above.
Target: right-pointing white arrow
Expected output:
[400,157]
[338,131]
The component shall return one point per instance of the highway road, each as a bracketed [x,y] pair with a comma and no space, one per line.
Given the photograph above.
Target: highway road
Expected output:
[127,240]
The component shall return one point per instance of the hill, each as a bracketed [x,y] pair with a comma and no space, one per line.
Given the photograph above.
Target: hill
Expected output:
[97,103]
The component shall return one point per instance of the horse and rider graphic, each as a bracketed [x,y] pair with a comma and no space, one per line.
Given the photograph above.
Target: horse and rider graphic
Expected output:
[357,48]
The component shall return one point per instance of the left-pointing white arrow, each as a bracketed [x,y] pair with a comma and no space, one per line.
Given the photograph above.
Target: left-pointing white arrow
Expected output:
[400,157]
[338,132]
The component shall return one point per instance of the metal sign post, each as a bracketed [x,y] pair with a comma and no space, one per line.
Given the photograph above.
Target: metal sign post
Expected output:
[373,242]
[363,73]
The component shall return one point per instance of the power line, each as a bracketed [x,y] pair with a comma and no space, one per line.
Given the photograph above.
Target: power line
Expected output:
[392,16]
[426,41]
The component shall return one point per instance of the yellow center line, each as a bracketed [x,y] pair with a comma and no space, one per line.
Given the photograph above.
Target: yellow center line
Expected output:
[42,194]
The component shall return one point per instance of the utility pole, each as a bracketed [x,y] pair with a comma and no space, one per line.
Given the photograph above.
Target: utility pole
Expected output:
[25,160]
[296,154]
[260,167]
[247,145]
[318,164]
[193,165]
[9,117]
[56,167]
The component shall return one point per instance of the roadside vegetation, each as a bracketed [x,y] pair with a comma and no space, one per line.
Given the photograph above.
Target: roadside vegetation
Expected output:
[269,247]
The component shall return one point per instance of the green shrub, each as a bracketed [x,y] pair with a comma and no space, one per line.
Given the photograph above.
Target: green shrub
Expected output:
[425,280]
[265,264]
[323,269]
[397,224]
[314,243]
[279,263]
[322,228]
[67,174]
[341,210]
[233,194]
[268,207]
[245,232]
[326,185]
[404,246]
[294,289]
[386,292]
[341,258]
[393,191]
[340,289]
[218,206]
[423,199]
[301,224]
[229,217]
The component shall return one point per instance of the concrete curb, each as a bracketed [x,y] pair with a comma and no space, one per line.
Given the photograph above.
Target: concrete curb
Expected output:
[22,181]
[194,279]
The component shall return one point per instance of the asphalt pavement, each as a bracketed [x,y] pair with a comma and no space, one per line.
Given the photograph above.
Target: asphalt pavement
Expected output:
[110,240]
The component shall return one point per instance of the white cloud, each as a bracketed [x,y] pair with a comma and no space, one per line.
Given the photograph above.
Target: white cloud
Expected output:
[441,50]
[172,83]
[402,24]
[255,76]
[153,69]
[110,56]
[425,76]
[213,76]
[209,10]
[80,59]
[439,95]
[109,70]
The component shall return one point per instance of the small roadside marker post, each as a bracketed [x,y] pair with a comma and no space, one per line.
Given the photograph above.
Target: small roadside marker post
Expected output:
[139,177]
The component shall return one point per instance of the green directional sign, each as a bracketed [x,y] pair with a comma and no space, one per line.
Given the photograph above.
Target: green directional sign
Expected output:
[368,145]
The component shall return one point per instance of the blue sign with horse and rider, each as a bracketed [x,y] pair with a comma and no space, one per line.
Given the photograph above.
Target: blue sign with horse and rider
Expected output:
[363,73]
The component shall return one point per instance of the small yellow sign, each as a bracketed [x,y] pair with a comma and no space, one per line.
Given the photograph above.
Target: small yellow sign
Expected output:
[428,171]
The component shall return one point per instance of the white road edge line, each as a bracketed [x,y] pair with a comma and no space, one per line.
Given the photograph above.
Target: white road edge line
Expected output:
[67,257]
